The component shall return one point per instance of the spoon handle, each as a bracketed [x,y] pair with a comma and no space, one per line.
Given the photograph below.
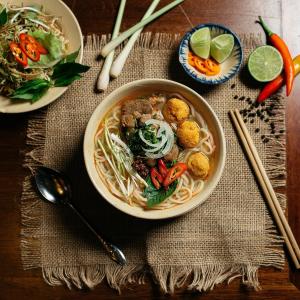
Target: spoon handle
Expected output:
[113,251]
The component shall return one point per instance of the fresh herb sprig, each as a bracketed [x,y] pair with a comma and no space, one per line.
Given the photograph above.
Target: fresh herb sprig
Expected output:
[135,143]
[64,73]
[32,90]
[3,17]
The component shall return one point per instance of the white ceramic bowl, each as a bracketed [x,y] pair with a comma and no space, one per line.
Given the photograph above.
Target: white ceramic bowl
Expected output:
[149,86]
[72,32]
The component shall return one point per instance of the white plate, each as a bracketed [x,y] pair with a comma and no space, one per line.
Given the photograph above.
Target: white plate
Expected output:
[72,32]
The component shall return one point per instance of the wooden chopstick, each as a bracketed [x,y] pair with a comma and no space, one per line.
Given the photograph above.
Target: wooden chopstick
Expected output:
[266,186]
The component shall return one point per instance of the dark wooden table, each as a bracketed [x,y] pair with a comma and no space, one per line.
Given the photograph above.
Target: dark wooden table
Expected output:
[98,17]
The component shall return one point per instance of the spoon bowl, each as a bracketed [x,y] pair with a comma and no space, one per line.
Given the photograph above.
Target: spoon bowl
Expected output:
[53,186]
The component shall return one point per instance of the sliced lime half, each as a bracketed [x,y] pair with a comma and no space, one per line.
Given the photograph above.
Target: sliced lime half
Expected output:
[265,63]
[221,47]
[200,42]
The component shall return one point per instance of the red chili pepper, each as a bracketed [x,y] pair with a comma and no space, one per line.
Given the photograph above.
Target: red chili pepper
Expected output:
[18,53]
[32,40]
[30,50]
[156,178]
[281,46]
[175,172]
[273,86]
[163,170]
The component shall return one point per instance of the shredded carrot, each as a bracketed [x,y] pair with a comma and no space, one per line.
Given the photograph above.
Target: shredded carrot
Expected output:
[207,66]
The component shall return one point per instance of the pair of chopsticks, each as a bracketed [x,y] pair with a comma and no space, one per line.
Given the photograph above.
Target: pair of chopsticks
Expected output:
[114,69]
[266,187]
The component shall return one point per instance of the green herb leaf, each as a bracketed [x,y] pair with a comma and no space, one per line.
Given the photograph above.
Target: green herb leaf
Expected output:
[66,80]
[71,57]
[69,68]
[32,90]
[64,74]
[50,41]
[134,141]
[170,164]
[3,17]
[155,196]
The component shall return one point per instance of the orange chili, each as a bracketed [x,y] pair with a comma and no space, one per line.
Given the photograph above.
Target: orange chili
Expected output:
[191,59]
[281,46]
[273,86]
[205,66]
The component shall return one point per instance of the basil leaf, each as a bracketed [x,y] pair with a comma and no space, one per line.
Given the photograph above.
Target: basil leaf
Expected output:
[71,57]
[66,80]
[155,196]
[69,68]
[65,73]
[3,17]
[32,90]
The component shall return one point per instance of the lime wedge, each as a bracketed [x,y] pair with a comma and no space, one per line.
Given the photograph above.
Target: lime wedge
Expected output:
[200,42]
[221,47]
[265,63]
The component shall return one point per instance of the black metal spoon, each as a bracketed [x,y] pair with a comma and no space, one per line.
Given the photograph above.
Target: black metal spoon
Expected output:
[55,187]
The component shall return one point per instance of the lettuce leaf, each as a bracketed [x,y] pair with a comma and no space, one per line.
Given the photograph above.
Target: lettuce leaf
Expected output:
[50,42]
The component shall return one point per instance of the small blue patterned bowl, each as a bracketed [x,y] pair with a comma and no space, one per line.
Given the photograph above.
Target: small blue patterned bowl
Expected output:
[228,68]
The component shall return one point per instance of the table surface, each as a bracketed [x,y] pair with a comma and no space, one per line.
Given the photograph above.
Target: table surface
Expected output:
[98,17]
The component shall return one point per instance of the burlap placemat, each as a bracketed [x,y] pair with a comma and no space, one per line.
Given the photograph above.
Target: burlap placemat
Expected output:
[230,235]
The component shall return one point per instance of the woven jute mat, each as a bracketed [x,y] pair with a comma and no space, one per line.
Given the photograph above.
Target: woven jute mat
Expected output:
[231,235]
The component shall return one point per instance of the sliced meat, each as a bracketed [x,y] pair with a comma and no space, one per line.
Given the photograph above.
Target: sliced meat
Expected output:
[142,106]
[133,110]
[128,121]
[144,118]
[157,99]
[137,114]
[173,154]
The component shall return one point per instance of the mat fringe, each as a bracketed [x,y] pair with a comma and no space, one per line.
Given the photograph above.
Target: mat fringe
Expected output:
[201,278]
[90,276]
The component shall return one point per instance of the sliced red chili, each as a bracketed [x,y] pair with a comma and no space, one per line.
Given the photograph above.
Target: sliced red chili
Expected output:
[18,53]
[156,178]
[174,173]
[163,170]
[32,40]
[30,50]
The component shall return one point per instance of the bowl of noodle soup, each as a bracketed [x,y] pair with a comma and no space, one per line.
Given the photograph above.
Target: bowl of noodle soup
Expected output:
[124,169]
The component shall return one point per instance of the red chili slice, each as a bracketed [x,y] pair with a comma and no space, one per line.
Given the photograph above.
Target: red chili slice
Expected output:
[30,50]
[163,170]
[18,53]
[175,172]
[32,40]
[156,178]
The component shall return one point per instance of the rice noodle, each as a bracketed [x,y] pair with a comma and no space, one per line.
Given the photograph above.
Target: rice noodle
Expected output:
[187,187]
